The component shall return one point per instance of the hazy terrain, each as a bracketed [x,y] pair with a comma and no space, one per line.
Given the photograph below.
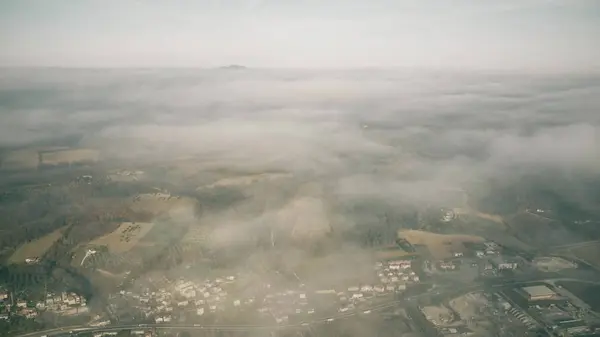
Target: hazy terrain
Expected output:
[289,171]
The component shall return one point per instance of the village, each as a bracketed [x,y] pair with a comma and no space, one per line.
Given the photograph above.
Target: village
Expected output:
[193,300]
[65,303]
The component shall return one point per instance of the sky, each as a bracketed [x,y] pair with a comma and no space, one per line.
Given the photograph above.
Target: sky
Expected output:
[547,35]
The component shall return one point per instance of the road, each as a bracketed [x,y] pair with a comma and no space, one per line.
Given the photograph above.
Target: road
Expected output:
[80,329]
[437,294]
[575,245]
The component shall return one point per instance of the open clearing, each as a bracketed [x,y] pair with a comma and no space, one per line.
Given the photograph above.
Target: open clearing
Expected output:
[394,253]
[21,159]
[111,275]
[552,263]
[70,156]
[588,253]
[197,234]
[35,248]
[473,212]
[539,231]
[247,180]
[440,246]
[125,176]
[306,216]
[589,293]
[123,238]
[158,203]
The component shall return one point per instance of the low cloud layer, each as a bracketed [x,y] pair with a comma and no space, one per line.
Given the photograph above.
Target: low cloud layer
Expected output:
[442,126]
[394,136]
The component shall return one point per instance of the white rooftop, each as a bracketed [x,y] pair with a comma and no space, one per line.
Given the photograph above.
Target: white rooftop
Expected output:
[538,291]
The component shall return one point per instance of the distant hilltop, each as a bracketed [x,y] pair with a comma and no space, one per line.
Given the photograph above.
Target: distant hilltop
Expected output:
[233,67]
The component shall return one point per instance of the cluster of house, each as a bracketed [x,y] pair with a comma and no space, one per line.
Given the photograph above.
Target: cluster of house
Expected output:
[155,196]
[217,295]
[394,275]
[207,296]
[129,173]
[84,179]
[487,256]
[62,304]
[20,307]
[489,248]
[281,305]
[493,260]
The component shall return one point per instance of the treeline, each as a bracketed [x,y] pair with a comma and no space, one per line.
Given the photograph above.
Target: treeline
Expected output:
[30,214]
[215,199]
[108,189]
[375,223]
[41,213]
[570,196]
[10,239]
[61,253]
[19,325]
[35,280]
[24,277]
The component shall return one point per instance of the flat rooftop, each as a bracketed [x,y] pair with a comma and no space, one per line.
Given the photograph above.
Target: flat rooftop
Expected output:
[538,291]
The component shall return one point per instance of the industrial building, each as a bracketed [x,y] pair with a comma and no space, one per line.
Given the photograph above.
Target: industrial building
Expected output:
[537,293]
[501,263]
[573,327]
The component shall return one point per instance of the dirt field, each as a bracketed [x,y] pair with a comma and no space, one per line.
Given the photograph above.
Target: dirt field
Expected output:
[392,254]
[247,180]
[473,212]
[589,254]
[468,305]
[111,275]
[589,293]
[440,246]
[438,315]
[197,234]
[35,248]
[21,159]
[307,218]
[539,231]
[69,156]
[552,264]
[123,238]
[158,203]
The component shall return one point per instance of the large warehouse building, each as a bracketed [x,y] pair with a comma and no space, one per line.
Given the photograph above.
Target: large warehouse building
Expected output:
[537,293]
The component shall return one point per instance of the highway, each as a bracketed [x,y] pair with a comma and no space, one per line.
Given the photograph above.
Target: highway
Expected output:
[81,329]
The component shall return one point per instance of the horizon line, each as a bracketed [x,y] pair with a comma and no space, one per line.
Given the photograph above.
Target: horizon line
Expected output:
[532,71]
